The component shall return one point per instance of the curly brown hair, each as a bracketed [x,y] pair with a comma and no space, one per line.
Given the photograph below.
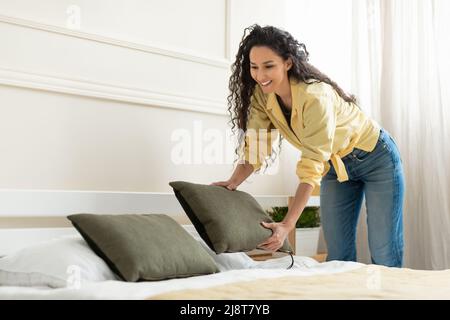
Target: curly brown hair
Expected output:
[242,85]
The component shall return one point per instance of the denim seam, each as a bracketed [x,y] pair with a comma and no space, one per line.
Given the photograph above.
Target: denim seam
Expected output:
[355,224]
[395,248]
[396,208]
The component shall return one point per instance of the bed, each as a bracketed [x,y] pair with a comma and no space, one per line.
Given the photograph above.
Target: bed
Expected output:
[35,221]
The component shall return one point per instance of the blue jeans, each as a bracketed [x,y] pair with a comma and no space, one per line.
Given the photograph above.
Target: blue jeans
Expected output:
[377,175]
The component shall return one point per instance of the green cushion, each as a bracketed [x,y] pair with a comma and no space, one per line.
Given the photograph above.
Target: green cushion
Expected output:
[228,221]
[144,247]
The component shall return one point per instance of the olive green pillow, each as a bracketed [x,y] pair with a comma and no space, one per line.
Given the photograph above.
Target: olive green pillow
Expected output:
[228,221]
[144,247]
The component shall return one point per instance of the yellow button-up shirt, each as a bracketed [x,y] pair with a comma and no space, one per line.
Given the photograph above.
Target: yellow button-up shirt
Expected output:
[323,127]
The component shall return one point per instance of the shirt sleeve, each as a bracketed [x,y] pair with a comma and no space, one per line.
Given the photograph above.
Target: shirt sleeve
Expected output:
[259,136]
[319,125]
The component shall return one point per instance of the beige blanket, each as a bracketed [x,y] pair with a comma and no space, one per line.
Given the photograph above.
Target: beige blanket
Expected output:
[368,282]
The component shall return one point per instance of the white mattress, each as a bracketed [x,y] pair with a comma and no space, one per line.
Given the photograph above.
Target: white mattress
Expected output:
[303,266]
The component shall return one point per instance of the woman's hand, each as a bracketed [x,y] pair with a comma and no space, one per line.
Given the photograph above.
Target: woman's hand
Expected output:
[230,185]
[241,172]
[275,241]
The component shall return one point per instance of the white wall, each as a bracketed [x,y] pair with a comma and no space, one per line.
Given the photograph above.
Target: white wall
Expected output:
[91,95]
[246,13]
[197,26]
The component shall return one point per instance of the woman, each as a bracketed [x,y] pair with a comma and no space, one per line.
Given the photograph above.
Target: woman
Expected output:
[345,153]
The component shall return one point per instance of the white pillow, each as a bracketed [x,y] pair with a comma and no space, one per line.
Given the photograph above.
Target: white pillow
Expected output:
[224,261]
[240,260]
[67,261]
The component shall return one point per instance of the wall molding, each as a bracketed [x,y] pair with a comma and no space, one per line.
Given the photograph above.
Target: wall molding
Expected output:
[172,52]
[87,88]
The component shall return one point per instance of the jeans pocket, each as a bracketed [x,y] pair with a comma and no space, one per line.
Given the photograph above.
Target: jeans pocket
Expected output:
[359,154]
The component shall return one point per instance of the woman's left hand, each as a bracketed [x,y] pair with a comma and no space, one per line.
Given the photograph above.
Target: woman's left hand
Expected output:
[275,241]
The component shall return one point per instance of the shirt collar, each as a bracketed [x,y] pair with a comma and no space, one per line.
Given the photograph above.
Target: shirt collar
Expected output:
[272,102]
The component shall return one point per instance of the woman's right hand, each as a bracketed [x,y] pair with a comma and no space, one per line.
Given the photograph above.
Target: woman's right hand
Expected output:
[230,185]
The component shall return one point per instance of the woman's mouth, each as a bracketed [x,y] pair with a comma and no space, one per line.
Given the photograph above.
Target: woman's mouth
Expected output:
[266,84]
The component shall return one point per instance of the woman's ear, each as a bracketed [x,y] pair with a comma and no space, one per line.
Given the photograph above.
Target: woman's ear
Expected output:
[288,63]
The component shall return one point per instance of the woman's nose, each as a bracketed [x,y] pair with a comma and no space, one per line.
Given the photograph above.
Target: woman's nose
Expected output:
[260,76]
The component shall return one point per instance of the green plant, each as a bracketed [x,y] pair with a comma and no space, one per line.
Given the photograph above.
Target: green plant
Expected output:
[310,217]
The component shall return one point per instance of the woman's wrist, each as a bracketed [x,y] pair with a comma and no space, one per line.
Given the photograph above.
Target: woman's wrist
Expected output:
[289,223]
[234,181]
[241,173]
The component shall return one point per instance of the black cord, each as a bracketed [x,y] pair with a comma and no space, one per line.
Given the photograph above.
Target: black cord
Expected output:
[292,260]
[292,257]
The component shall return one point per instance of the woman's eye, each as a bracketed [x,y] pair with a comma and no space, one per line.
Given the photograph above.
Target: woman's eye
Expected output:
[267,67]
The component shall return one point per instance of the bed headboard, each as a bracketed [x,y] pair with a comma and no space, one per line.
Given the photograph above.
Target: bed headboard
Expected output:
[28,216]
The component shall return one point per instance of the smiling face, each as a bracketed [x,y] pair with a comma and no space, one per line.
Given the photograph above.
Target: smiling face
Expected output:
[269,69]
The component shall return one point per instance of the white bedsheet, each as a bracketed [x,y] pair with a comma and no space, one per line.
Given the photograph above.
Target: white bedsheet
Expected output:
[303,266]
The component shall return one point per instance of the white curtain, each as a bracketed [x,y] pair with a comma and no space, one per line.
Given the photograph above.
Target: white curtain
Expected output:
[395,56]
[401,74]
